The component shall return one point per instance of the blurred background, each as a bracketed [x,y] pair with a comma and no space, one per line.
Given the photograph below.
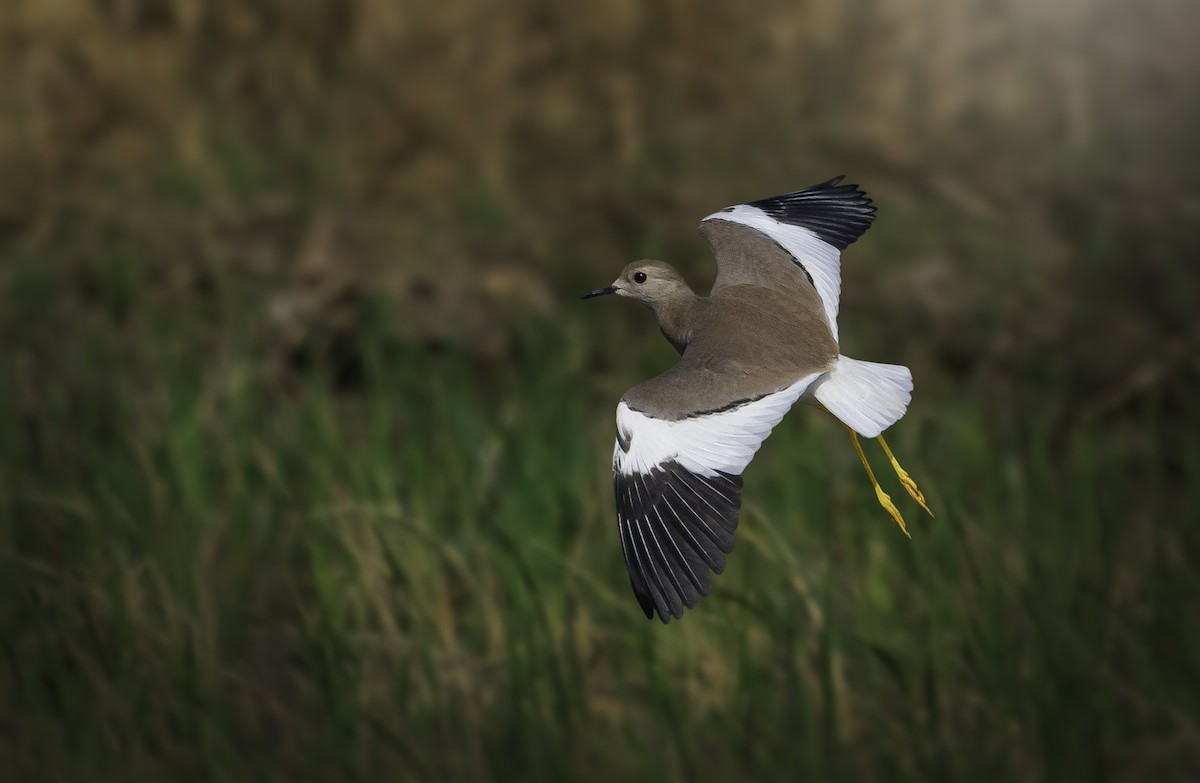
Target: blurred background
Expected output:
[305,439]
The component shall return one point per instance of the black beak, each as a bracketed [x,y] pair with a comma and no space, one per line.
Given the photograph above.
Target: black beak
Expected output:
[612,289]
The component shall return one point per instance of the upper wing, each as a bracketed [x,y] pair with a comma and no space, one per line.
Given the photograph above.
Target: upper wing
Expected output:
[678,489]
[752,242]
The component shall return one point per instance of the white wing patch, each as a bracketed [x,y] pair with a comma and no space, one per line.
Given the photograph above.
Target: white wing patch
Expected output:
[819,258]
[712,443]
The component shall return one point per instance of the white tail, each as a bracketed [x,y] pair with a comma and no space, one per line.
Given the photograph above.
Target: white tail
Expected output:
[868,397]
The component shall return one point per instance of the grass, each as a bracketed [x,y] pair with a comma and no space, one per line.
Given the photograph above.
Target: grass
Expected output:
[214,571]
[304,443]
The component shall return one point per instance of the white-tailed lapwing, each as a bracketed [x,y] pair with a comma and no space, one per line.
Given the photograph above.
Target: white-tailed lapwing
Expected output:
[763,339]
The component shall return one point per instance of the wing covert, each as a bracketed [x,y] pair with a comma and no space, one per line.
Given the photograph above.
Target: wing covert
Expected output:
[809,228]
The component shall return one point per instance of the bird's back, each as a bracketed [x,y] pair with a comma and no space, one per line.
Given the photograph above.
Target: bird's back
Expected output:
[778,326]
[746,341]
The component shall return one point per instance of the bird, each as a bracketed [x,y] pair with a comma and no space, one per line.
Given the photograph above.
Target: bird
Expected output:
[765,338]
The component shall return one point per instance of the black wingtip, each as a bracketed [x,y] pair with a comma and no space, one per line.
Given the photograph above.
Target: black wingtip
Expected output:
[645,601]
[675,527]
[838,214]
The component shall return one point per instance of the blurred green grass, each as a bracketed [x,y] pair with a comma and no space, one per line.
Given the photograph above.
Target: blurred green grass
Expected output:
[213,573]
[305,442]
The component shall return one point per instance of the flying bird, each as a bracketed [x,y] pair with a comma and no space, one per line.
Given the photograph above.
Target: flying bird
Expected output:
[765,338]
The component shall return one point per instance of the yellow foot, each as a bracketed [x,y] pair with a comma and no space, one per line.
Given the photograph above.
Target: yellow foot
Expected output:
[905,479]
[882,496]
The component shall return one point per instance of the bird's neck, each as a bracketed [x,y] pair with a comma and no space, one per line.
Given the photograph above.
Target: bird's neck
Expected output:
[676,318]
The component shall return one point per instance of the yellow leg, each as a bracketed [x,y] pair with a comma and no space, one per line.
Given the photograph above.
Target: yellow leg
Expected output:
[882,496]
[905,479]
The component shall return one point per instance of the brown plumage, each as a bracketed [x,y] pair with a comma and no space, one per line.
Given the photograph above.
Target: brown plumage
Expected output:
[763,339]
[743,341]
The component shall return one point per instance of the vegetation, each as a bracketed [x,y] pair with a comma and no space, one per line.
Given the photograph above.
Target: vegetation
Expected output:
[304,441]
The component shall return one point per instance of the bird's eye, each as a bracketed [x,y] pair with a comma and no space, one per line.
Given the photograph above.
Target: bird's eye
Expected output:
[639,277]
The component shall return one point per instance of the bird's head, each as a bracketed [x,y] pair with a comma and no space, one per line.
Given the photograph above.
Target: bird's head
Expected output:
[653,282]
